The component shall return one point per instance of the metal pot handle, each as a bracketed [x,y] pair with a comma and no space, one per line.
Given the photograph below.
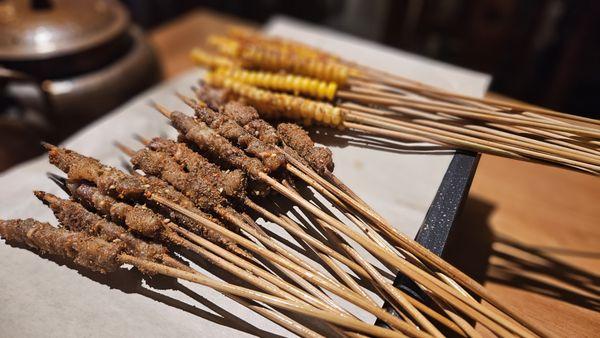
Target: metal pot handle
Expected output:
[35,115]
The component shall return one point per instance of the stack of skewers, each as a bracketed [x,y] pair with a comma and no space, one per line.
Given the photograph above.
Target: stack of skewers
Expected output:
[204,192]
[286,79]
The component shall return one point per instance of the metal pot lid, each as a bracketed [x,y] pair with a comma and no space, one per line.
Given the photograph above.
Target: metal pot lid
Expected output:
[34,30]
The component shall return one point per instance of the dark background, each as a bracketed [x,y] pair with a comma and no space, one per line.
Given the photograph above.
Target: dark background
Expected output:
[545,52]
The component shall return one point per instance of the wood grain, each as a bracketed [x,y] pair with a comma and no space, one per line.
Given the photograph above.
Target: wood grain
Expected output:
[530,232]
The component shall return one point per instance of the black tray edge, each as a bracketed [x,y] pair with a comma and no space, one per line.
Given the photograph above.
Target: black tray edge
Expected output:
[441,216]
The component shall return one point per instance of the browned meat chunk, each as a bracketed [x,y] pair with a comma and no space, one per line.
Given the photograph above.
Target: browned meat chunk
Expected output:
[319,158]
[90,252]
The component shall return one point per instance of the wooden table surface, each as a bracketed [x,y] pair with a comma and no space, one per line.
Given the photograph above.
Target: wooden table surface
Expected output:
[529,232]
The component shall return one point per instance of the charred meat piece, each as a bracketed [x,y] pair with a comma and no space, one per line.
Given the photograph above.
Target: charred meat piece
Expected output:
[163,166]
[90,252]
[231,183]
[75,217]
[209,141]
[116,183]
[230,129]
[319,158]
[137,218]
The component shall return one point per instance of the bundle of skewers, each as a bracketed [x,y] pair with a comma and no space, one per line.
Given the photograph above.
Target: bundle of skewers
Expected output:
[290,80]
[205,192]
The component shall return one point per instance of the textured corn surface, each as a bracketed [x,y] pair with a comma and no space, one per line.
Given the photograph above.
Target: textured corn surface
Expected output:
[276,105]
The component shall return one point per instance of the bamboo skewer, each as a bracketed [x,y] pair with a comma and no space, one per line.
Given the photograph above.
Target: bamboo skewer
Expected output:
[349,296]
[490,101]
[453,137]
[346,322]
[404,102]
[464,305]
[497,135]
[340,190]
[402,265]
[554,134]
[397,299]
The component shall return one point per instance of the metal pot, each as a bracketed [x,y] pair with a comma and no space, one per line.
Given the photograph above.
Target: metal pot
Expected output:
[64,63]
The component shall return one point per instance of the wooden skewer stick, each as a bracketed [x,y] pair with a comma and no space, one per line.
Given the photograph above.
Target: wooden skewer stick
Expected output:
[377,131]
[405,102]
[401,97]
[263,277]
[319,184]
[404,266]
[272,315]
[349,296]
[340,189]
[483,132]
[560,147]
[443,266]
[495,102]
[462,140]
[484,315]
[347,322]
[396,299]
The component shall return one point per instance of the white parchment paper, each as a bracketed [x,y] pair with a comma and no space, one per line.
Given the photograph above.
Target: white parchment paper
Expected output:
[43,296]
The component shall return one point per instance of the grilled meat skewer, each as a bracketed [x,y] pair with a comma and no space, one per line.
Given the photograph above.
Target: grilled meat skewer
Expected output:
[90,252]
[113,182]
[73,216]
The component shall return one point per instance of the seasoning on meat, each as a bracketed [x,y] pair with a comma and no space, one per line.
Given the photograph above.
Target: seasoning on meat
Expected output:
[231,182]
[116,183]
[91,252]
[209,141]
[232,130]
[319,158]
[75,217]
[137,218]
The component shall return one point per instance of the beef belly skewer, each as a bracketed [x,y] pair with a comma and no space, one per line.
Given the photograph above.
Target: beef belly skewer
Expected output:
[208,141]
[163,166]
[75,217]
[173,174]
[102,256]
[184,155]
[230,129]
[125,213]
[319,158]
[113,182]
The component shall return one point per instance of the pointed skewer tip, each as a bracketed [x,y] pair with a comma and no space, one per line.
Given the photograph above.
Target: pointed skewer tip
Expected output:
[59,180]
[141,139]
[125,149]
[48,146]
[161,109]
